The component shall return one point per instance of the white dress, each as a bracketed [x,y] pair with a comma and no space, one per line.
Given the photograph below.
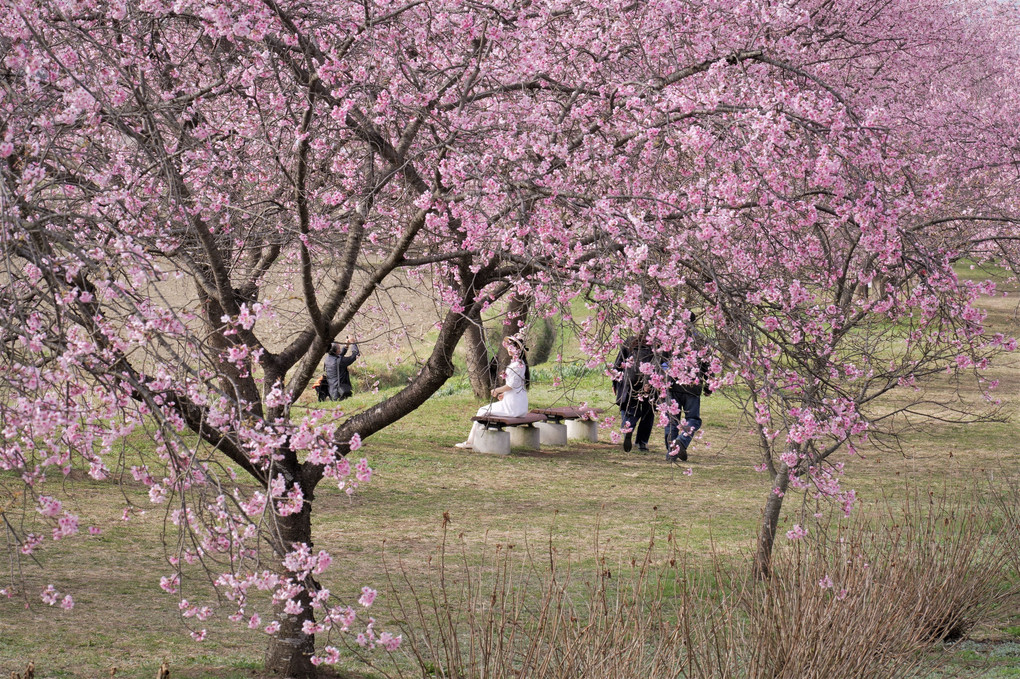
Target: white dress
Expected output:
[514,402]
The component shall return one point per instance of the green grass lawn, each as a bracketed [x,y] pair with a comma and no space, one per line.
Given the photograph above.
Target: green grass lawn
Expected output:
[565,500]
[558,497]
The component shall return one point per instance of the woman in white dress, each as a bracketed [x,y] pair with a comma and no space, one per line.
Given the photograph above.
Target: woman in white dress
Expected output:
[512,397]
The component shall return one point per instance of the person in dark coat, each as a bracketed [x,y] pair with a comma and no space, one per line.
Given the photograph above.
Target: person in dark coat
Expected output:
[337,361]
[634,395]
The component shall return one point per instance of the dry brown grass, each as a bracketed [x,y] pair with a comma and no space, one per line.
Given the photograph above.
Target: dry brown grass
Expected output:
[853,601]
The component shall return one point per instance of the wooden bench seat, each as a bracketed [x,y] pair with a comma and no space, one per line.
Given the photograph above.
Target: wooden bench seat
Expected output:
[568,413]
[498,421]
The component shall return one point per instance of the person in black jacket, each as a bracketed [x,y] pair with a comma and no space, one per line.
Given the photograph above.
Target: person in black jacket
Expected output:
[337,376]
[633,393]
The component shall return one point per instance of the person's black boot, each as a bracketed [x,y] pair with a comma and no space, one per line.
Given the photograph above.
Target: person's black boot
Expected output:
[627,442]
[681,452]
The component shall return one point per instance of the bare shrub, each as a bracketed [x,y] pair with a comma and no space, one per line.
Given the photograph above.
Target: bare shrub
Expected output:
[851,600]
[860,601]
[1009,504]
[515,614]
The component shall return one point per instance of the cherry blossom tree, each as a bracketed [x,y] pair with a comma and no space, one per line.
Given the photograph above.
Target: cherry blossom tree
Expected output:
[802,174]
[275,165]
[810,208]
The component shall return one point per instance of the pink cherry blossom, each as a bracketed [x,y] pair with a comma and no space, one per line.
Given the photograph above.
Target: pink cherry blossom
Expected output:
[798,532]
[367,596]
[50,595]
[761,172]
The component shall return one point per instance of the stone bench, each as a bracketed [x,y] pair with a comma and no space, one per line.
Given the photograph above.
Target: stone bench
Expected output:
[491,437]
[573,423]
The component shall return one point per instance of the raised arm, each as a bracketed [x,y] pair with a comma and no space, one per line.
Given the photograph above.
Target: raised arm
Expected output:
[344,359]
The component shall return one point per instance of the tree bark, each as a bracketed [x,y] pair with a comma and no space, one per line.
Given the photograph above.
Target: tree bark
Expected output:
[543,340]
[290,650]
[516,318]
[770,521]
[479,372]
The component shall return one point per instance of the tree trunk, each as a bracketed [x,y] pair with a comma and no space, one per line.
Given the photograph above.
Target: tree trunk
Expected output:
[516,318]
[770,521]
[543,340]
[478,368]
[290,650]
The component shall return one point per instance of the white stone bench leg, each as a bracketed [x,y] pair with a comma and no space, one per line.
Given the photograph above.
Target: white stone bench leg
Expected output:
[525,436]
[491,441]
[583,430]
[552,433]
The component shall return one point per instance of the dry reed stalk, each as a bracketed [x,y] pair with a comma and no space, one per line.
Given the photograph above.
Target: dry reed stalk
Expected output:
[852,601]
[858,602]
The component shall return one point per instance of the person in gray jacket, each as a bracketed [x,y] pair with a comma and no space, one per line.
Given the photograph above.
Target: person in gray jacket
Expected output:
[337,361]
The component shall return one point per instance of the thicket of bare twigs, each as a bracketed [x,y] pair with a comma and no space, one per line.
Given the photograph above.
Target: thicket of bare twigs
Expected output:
[856,598]
[860,600]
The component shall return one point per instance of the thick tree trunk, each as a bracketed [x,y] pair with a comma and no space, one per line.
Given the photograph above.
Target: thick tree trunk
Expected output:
[478,357]
[289,654]
[543,340]
[516,318]
[770,522]
[238,384]
[290,650]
